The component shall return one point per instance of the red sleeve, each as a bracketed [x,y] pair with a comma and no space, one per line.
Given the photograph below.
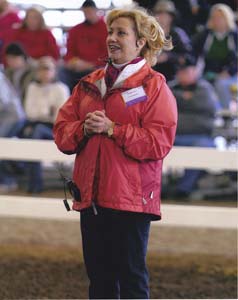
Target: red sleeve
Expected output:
[68,128]
[70,45]
[154,139]
[53,48]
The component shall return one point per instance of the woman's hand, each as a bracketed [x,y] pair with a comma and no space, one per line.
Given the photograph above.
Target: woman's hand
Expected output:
[97,122]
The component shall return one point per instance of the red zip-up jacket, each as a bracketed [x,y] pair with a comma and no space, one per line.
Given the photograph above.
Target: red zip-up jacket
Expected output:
[130,162]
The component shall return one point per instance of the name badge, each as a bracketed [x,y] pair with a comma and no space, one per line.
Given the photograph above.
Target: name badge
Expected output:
[134,96]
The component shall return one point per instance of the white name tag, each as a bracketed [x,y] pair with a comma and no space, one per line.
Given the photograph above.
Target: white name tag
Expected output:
[134,96]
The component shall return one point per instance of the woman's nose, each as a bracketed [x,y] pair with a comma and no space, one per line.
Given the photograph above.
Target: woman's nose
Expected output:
[111,37]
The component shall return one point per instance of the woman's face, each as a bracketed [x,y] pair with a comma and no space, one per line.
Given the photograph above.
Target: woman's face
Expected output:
[122,43]
[218,21]
[33,20]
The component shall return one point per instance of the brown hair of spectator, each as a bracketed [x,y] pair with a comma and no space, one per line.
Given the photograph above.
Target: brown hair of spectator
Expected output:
[39,12]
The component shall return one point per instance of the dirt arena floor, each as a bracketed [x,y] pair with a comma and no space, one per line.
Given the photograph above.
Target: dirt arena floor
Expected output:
[42,259]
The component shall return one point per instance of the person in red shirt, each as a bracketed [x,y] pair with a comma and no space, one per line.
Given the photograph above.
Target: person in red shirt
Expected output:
[35,37]
[86,46]
[8,18]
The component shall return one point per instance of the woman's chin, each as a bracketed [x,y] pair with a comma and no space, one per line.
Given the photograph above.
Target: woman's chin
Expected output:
[115,58]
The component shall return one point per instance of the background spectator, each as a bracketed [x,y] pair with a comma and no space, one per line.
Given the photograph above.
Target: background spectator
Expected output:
[34,36]
[217,46]
[43,99]
[191,14]
[11,111]
[197,105]
[11,119]
[164,12]
[86,46]
[18,69]
[8,18]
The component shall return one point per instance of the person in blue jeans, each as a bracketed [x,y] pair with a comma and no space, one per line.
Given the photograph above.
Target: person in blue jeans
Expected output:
[35,181]
[197,106]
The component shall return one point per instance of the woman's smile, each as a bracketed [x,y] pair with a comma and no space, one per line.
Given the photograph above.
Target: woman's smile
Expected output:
[113,48]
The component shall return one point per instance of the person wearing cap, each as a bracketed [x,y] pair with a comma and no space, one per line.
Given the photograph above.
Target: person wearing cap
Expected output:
[197,104]
[165,13]
[120,121]
[86,46]
[18,69]
[34,36]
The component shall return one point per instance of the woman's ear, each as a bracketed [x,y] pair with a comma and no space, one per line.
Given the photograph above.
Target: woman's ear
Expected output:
[140,43]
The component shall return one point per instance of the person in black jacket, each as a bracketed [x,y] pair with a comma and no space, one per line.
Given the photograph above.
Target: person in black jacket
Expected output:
[197,105]
[165,12]
[216,46]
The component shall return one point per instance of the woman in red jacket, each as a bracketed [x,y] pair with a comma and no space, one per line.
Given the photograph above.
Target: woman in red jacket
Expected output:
[121,122]
[33,35]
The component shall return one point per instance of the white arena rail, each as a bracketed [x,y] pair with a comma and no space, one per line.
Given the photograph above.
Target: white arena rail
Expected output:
[179,157]
[172,215]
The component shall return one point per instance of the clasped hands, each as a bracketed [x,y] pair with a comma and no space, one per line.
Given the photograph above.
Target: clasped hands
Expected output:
[97,122]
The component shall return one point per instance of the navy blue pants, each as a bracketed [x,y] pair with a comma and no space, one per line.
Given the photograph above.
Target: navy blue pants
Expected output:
[114,249]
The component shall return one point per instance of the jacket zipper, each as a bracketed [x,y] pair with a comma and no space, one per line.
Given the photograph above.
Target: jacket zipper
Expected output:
[94,208]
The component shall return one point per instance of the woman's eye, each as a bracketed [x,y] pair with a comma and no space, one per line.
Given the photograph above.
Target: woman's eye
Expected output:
[121,33]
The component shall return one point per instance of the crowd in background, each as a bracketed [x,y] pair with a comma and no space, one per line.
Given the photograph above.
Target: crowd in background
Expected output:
[35,79]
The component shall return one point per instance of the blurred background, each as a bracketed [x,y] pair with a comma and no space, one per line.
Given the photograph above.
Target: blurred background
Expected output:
[43,53]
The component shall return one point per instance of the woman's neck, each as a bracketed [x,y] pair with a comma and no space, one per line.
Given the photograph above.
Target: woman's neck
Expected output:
[118,66]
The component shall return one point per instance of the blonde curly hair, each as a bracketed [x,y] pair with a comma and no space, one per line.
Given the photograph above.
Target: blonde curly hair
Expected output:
[146,27]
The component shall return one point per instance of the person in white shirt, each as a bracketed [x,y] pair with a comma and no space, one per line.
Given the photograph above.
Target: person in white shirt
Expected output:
[43,99]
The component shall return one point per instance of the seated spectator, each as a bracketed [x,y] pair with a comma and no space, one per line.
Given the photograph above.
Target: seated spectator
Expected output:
[197,105]
[18,68]
[164,12]
[12,118]
[11,111]
[217,46]
[86,46]
[43,99]
[8,19]
[33,35]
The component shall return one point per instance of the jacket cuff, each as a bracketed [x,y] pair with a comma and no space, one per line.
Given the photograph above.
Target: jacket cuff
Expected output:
[118,134]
